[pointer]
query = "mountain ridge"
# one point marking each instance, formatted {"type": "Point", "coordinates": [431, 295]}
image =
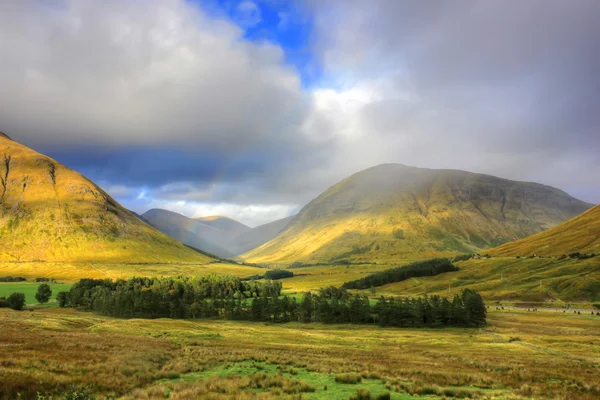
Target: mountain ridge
{"type": "Point", "coordinates": [49, 212]}
{"type": "Point", "coordinates": [392, 210]}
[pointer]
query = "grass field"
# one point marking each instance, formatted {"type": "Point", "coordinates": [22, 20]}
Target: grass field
{"type": "Point", "coordinates": [72, 272]}
{"type": "Point", "coordinates": [541, 280]}
{"type": "Point", "coordinates": [547, 355]}
{"type": "Point", "coordinates": [30, 288]}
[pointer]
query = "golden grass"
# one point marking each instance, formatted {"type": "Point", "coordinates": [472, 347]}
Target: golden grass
{"type": "Point", "coordinates": [72, 272]}
{"type": "Point", "coordinates": [519, 355]}
{"type": "Point", "coordinates": [580, 234]}
{"type": "Point", "coordinates": [510, 278]}
{"type": "Point", "coordinates": [49, 212]}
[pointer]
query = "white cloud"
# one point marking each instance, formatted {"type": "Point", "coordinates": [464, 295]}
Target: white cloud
{"type": "Point", "coordinates": [251, 215]}
{"type": "Point", "coordinates": [141, 72]}
{"type": "Point", "coordinates": [248, 14]}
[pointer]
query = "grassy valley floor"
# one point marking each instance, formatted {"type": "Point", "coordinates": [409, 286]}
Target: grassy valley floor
{"type": "Point", "coordinates": [518, 355]}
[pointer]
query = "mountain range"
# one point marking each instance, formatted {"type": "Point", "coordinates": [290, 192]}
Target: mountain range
{"type": "Point", "coordinates": [222, 236]}
{"type": "Point", "coordinates": [393, 211]}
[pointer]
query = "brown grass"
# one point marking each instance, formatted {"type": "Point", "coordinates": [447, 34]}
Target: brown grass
{"type": "Point", "coordinates": [558, 355]}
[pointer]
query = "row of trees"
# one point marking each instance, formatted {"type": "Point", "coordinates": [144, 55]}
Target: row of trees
{"type": "Point", "coordinates": [431, 267]}
{"type": "Point", "coordinates": [230, 298]}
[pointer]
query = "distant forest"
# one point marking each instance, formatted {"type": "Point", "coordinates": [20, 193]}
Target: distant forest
{"type": "Point", "coordinates": [227, 297]}
{"type": "Point", "coordinates": [431, 267]}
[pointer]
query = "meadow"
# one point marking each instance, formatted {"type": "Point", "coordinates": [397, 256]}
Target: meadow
{"type": "Point", "coordinates": [30, 288]}
{"type": "Point", "coordinates": [520, 354]}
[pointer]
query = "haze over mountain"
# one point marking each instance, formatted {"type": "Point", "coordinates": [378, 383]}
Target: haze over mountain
{"type": "Point", "coordinates": [222, 236]}
{"type": "Point", "coordinates": [580, 234]}
{"type": "Point", "coordinates": [257, 236]}
{"type": "Point", "coordinates": [49, 212]}
{"type": "Point", "coordinates": [393, 211]}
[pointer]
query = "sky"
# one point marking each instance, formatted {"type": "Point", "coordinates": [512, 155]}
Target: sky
{"type": "Point", "coordinates": [251, 108]}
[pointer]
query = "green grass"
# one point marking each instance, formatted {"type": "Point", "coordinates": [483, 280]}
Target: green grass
{"type": "Point", "coordinates": [324, 384]}
{"type": "Point", "coordinates": [30, 288]}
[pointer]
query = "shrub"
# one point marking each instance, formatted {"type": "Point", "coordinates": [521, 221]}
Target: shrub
{"type": "Point", "coordinates": [462, 257]}
{"type": "Point", "coordinates": [275, 274]}
{"type": "Point", "coordinates": [43, 293]}
{"type": "Point", "coordinates": [431, 267]}
{"type": "Point", "coordinates": [361, 394]}
{"type": "Point", "coordinates": [383, 396]}
{"type": "Point", "coordinates": [348, 378]}
{"type": "Point", "coordinates": [13, 279]}
{"type": "Point", "coordinates": [16, 301]}
{"type": "Point", "coordinates": [63, 299]}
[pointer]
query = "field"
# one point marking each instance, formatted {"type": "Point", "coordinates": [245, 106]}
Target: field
{"type": "Point", "coordinates": [519, 355]}
{"type": "Point", "coordinates": [72, 272]}
{"type": "Point", "coordinates": [532, 280]}
{"type": "Point", "coordinates": [30, 288]}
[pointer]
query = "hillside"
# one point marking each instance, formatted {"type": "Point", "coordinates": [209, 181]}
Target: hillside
{"type": "Point", "coordinates": [192, 232]}
{"type": "Point", "coordinates": [222, 236]}
{"type": "Point", "coordinates": [257, 236]}
{"type": "Point", "coordinates": [580, 234]}
{"type": "Point", "coordinates": [49, 212]}
{"type": "Point", "coordinates": [393, 211]}
{"type": "Point", "coordinates": [225, 224]}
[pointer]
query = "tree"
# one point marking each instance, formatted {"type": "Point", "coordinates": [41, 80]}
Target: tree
{"type": "Point", "coordinates": [63, 299]}
{"type": "Point", "coordinates": [16, 301]}
{"type": "Point", "coordinates": [43, 293]}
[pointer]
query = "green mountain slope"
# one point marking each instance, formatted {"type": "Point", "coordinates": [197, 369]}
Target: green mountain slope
{"type": "Point", "coordinates": [578, 235]}
{"type": "Point", "coordinates": [393, 212]}
{"type": "Point", "coordinates": [49, 212]}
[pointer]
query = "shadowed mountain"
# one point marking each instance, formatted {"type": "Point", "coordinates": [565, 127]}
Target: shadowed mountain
{"type": "Point", "coordinates": [192, 232]}
{"type": "Point", "coordinates": [218, 235]}
{"type": "Point", "coordinates": [578, 235]}
{"type": "Point", "coordinates": [393, 211]}
{"type": "Point", "coordinates": [255, 237]}
{"type": "Point", "coordinates": [49, 212]}
{"type": "Point", "coordinates": [225, 224]}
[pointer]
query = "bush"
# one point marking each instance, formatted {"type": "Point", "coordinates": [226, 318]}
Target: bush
{"type": "Point", "coordinates": [43, 293]}
{"type": "Point", "coordinates": [275, 274]}
{"type": "Point", "coordinates": [16, 301]}
{"type": "Point", "coordinates": [13, 279]}
{"type": "Point", "coordinates": [431, 267]}
{"type": "Point", "coordinates": [462, 257]}
{"type": "Point", "coordinates": [361, 394]}
{"type": "Point", "coordinates": [383, 396]}
{"type": "Point", "coordinates": [63, 299]}
{"type": "Point", "coordinates": [348, 378]}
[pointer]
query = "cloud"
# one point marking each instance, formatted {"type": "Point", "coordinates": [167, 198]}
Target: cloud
{"type": "Point", "coordinates": [251, 215]}
{"type": "Point", "coordinates": [162, 98]}
{"type": "Point", "coordinates": [247, 14]}
{"type": "Point", "coordinates": [505, 89]}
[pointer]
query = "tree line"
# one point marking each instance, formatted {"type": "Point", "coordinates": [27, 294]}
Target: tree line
{"type": "Point", "coordinates": [227, 297]}
{"type": "Point", "coordinates": [431, 267]}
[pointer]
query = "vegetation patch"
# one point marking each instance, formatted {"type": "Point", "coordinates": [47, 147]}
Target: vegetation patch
{"type": "Point", "coordinates": [431, 267]}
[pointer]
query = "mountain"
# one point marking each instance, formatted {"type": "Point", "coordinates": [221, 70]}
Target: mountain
{"type": "Point", "coordinates": [392, 212]}
{"type": "Point", "coordinates": [578, 235]}
{"type": "Point", "coordinates": [222, 236]}
{"type": "Point", "coordinates": [257, 236]}
{"type": "Point", "coordinates": [192, 232]}
{"type": "Point", "coordinates": [225, 224]}
{"type": "Point", "coordinates": [49, 212]}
